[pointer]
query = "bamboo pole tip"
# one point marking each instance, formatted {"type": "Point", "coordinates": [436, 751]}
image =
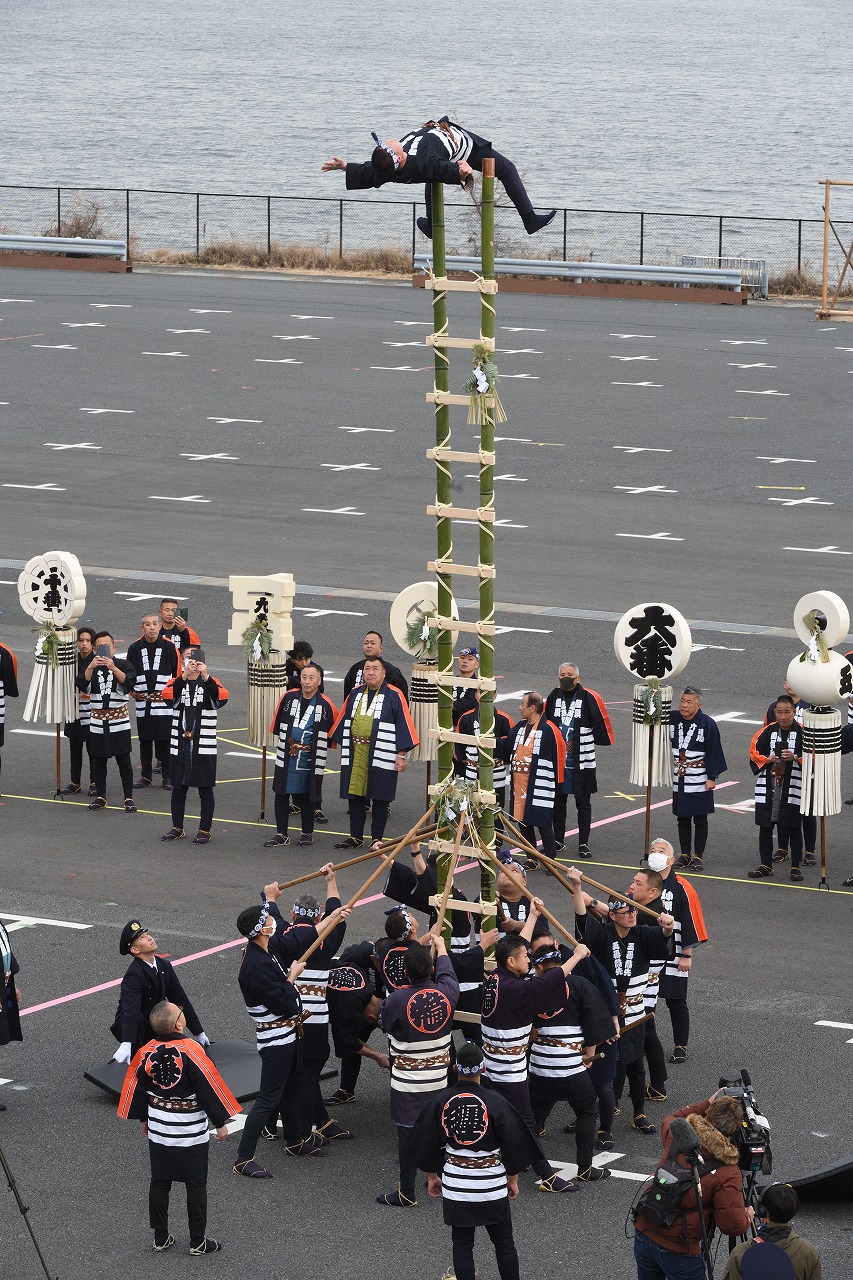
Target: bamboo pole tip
{"type": "Point", "coordinates": [489, 167]}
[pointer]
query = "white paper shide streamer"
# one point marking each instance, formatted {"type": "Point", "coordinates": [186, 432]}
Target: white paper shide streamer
{"type": "Point", "coordinates": [52, 591]}
{"type": "Point", "coordinates": [652, 641]}
{"type": "Point", "coordinates": [823, 677]}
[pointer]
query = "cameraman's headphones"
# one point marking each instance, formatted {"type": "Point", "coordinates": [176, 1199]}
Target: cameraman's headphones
{"type": "Point", "coordinates": [761, 1209]}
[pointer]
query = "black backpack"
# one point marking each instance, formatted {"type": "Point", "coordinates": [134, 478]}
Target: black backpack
{"type": "Point", "coordinates": [661, 1197]}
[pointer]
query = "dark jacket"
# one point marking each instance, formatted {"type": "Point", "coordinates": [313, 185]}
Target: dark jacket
{"type": "Point", "coordinates": [141, 988]}
{"type": "Point", "coordinates": [804, 1257]}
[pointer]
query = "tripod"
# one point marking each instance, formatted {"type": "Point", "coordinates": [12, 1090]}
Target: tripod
{"type": "Point", "coordinates": [25, 1209]}
{"type": "Point", "coordinates": [694, 1160]}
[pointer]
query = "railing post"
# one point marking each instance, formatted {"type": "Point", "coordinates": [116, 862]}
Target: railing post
{"type": "Point", "coordinates": [720, 239]}
{"type": "Point", "coordinates": [127, 218]}
{"type": "Point", "coordinates": [341, 230]}
{"type": "Point", "coordinates": [59, 211]}
{"type": "Point", "coordinates": [642, 236]}
{"type": "Point", "coordinates": [269, 227]}
{"type": "Point", "coordinates": [799, 245]}
{"type": "Point", "coordinates": [414, 233]}
{"type": "Point", "coordinates": [565, 234]}
{"type": "Point", "coordinates": [197, 225]}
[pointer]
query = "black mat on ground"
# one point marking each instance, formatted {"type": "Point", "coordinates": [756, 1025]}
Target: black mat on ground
{"type": "Point", "coordinates": [236, 1060]}
{"type": "Point", "coordinates": [835, 1182]}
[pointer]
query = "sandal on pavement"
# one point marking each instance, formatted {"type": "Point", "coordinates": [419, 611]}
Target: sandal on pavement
{"type": "Point", "coordinates": [251, 1169]}
{"type": "Point", "coordinates": [643, 1125]}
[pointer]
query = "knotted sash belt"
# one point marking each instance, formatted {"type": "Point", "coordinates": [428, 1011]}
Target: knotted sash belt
{"type": "Point", "coordinates": [417, 1064]}
{"type": "Point", "coordinates": [505, 1050]}
{"type": "Point", "coordinates": [172, 1104]}
{"type": "Point", "coordinates": [109, 713]}
{"type": "Point", "coordinates": [146, 697]}
{"type": "Point", "coordinates": [472, 1162]}
{"type": "Point", "coordinates": [285, 1022]}
{"type": "Point", "coordinates": [553, 1042]}
{"type": "Point", "coordinates": [296, 747]}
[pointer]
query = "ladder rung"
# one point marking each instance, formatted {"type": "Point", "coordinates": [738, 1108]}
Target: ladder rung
{"type": "Point", "coordinates": [465, 570]}
{"type": "Point", "coordinates": [478, 628]}
{"type": "Point", "coordinates": [461, 1015]}
{"type": "Point", "coordinates": [449, 680]}
{"type": "Point", "coordinates": [446, 511]}
{"type": "Point", "coordinates": [457, 904]}
{"type": "Point", "coordinates": [482, 797]}
{"type": "Point", "coordinates": [440, 454]}
{"type": "Point", "coordinates": [468, 739]}
{"type": "Point", "coordinates": [465, 344]}
{"type": "Point", "coordinates": [440, 284]}
{"type": "Point", "coordinates": [450, 397]}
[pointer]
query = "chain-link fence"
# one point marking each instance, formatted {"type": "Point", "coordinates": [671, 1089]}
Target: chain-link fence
{"type": "Point", "coordinates": [373, 231]}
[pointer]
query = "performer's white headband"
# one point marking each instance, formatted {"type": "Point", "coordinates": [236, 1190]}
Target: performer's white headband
{"type": "Point", "coordinates": [383, 146]}
{"type": "Point", "coordinates": [470, 1071]}
{"type": "Point", "coordinates": [262, 918]}
{"type": "Point", "coordinates": [539, 957]}
{"type": "Point", "coordinates": [310, 912]}
{"type": "Point", "coordinates": [404, 913]}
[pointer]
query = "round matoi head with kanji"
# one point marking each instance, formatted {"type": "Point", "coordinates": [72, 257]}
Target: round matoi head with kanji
{"type": "Point", "coordinates": [820, 682]}
{"type": "Point", "coordinates": [652, 641]}
{"type": "Point", "coordinates": [52, 589]}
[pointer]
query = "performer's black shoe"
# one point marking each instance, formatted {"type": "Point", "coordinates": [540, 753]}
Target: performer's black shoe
{"type": "Point", "coordinates": [398, 1200]}
{"type": "Point", "coordinates": [320, 819]}
{"type": "Point", "coordinates": [797, 875]}
{"type": "Point", "coordinates": [850, 801]}
{"type": "Point", "coordinates": [340, 1098]}
{"type": "Point", "coordinates": [158, 766]}
{"type": "Point", "coordinates": [760, 872]}
{"type": "Point", "coordinates": [696, 863]}
{"type": "Point", "coordinates": [643, 1125]}
{"type": "Point", "coordinates": [162, 1245]}
{"type": "Point", "coordinates": [584, 851]}
{"type": "Point", "coordinates": [202, 837]}
{"type": "Point", "coordinates": [531, 864]}
{"type": "Point", "coordinates": [93, 790]}
{"type": "Point", "coordinates": [809, 860]}
{"type": "Point", "coordinates": [142, 782]}
{"type": "Point", "coordinates": [99, 802]}
{"type": "Point", "coordinates": [72, 789]}
{"type": "Point", "coordinates": [129, 805]}
{"type": "Point", "coordinates": [781, 855]}
{"type": "Point", "coordinates": [425, 228]}
{"type": "Point", "coordinates": [311, 1146]}
{"type": "Point", "coordinates": [679, 1054]}
{"type": "Point", "coordinates": [683, 861]}
{"type": "Point", "coordinates": [293, 810]}
{"type": "Point", "coordinates": [593, 1174]}
{"type": "Point", "coordinates": [306, 839]}
{"type": "Point", "coordinates": [251, 1169]}
{"type": "Point", "coordinates": [847, 884]}
{"type": "Point", "coordinates": [535, 221]}
{"type": "Point", "coordinates": [604, 1140]}
{"type": "Point", "coordinates": [172, 834]}
{"type": "Point", "coordinates": [205, 1246]}
{"type": "Point", "coordinates": [559, 845]}
{"type": "Point", "coordinates": [655, 1095]}
{"type": "Point", "coordinates": [167, 786]}
{"type": "Point", "coordinates": [334, 1132]}
{"type": "Point", "coordinates": [271, 1135]}
{"type": "Point", "coordinates": [276, 841]}
{"type": "Point", "coordinates": [568, 1128]}
{"type": "Point", "coordinates": [349, 843]}
{"type": "Point", "coordinates": [558, 1185]}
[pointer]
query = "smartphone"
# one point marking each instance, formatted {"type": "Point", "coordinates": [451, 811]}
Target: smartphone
{"type": "Point", "coordinates": [103, 650]}
{"type": "Point", "coordinates": [197, 655]}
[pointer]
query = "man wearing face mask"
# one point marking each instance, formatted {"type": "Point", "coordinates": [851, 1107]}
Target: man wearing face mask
{"type": "Point", "coordinates": [680, 900]}
{"type": "Point", "coordinates": [582, 719]}
{"type": "Point", "coordinates": [195, 697]}
{"type": "Point", "coordinates": [697, 762]}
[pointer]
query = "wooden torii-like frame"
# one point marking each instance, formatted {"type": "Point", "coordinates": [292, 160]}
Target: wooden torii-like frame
{"type": "Point", "coordinates": [829, 309]}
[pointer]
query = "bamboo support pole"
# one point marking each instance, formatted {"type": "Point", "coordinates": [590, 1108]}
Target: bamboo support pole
{"type": "Point", "coordinates": [425, 834]}
{"type": "Point", "coordinates": [519, 883]}
{"type": "Point", "coordinates": [374, 875]}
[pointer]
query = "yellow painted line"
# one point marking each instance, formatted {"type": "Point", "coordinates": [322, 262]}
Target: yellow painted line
{"type": "Point", "coordinates": [160, 813]}
{"type": "Point", "coordinates": [620, 795]}
{"type": "Point", "coordinates": [703, 875]}
{"type": "Point", "coordinates": [547, 444]}
{"type": "Point", "coordinates": [799, 487]}
{"type": "Point", "coordinates": [246, 746]}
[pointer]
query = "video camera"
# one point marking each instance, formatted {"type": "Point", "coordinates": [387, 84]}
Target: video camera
{"type": "Point", "coordinates": [753, 1138]}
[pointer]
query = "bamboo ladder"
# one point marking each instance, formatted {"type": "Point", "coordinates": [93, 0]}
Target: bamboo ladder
{"type": "Point", "coordinates": [444, 567]}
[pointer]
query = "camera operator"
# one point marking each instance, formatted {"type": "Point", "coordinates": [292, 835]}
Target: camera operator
{"type": "Point", "coordinates": [777, 1206]}
{"type": "Point", "coordinates": [667, 1253]}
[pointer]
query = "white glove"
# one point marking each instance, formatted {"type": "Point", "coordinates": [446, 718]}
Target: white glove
{"type": "Point", "coordinates": [122, 1053]}
{"type": "Point", "coordinates": [202, 1039]}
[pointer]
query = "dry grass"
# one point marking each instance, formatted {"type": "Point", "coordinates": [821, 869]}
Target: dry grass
{"type": "Point", "coordinates": [84, 220]}
{"type": "Point", "coordinates": [294, 256]}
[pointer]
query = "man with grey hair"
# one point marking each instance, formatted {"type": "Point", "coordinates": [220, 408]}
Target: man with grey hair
{"type": "Point", "coordinates": [175, 1090]}
{"type": "Point", "coordinates": [697, 762]}
{"type": "Point", "coordinates": [582, 719]}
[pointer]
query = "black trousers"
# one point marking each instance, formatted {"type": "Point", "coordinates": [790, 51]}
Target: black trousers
{"type": "Point", "coordinates": [680, 1015]}
{"type": "Point", "coordinates": [636, 1074]}
{"type": "Point", "coordinates": [809, 833]}
{"type": "Point", "coordinates": [505, 172]}
{"type": "Point", "coordinates": [282, 812]}
{"type": "Point", "coordinates": [506, 1254]}
{"type": "Point", "coordinates": [686, 829]}
{"type": "Point", "coordinates": [178, 1164]}
{"type": "Point", "coordinates": [601, 1074]}
{"type": "Point", "coordinates": [179, 804]}
{"type": "Point", "coordinates": [75, 751]}
{"type": "Point", "coordinates": [578, 1091]}
{"type": "Point", "coordinates": [358, 817]}
{"type": "Point", "coordinates": [655, 1056]}
{"type": "Point", "coordinates": [549, 847]}
{"type": "Point", "coordinates": [583, 804]}
{"type": "Point", "coordinates": [790, 838]}
{"type": "Point", "coordinates": [280, 1094]}
{"type": "Point", "coordinates": [313, 1113]}
{"type": "Point", "coordinates": [148, 748]}
{"type": "Point", "coordinates": [125, 769]}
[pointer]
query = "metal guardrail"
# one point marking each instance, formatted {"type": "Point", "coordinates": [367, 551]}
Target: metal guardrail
{"type": "Point", "coordinates": [722, 278]}
{"type": "Point", "coordinates": [74, 246]}
{"type": "Point", "coordinates": [754, 271]}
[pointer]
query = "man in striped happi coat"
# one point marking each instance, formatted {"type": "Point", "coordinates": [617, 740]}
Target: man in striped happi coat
{"type": "Point", "coordinates": [77, 730]}
{"type": "Point", "coordinates": [8, 684]}
{"type": "Point", "coordinates": [418, 1020]}
{"type": "Point", "coordinates": [776, 758]}
{"type": "Point", "coordinates": [680, 900]}
{"type": "Point", "coordinates": [536, 754]}
{"type": "Point", "coordinates": [195, 697]}
{"type": "Point", "coordinates": [156, 661]}
{"type": "Point", "coordinates": [466, 758]}
{"type": "Point", "coordinates": [174, 1089]}
{"type": "Point", "coordinates": [108, 681]}
{"type": "Point", "coordinates": [626, 950]}
{"type": "Point", "coordinates": [808, 821]}
{"type": "Point", "coordinates": [301, 727]}
{"type": "Point", "coordinates": [568, 1029]}
{"type": "Point", "coordinates": [511, 1001]}
{"type": "Point", "coordinates": [374, 731]}
{"type": "Point", "coordinates": [288, 943]}
{"type": "Point", "coordinates": [473, 1144]}
{"type": "Point", "coordinates": [697, 762]}
{"type": "Point", "coordinates": [581, 717]}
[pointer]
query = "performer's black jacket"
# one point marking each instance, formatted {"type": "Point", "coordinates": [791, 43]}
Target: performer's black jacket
{"type": "Point", "coordinates": [429, 164]}
{"type": "Point", "coordinates": [392, 674]}
{"type": "Point", "coordinates": [141, 988]}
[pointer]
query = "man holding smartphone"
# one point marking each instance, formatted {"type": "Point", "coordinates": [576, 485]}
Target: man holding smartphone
{"type": "Point", "coordinates": [195, 697]}
{"type": "Point", "coordinates": [108, 681]}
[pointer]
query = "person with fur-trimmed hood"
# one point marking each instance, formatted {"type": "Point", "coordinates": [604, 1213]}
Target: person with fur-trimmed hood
{"type": "Point", "coordinates": [716, 1123]}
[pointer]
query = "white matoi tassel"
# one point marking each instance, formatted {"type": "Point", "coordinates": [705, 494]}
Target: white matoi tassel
{"type": "Point", "coordinates": [423, 704]}
{"type": "Point", "coordinates": [53, 691]}
{"type": "Point", "coordinates": [267, 685]}
{"type": "Point", "coordinates": [651, 703]}
{"type": "Point", "coordinates": [821, 793]}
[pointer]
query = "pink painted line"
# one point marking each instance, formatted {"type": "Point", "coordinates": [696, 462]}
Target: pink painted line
{"type": "Point", "coordinates": [632, 813]}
